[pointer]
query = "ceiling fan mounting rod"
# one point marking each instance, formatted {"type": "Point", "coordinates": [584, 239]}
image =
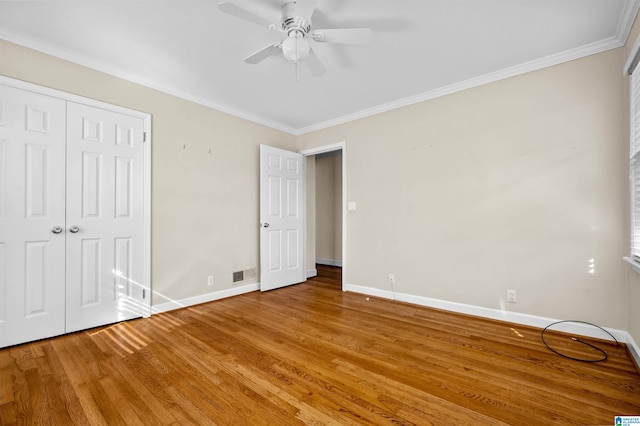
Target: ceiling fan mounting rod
{"type": "Point", "coordinates": [292, 23]}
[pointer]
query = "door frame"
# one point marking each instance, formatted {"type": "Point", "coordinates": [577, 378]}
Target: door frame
{"type": "Point", "coordinates": [146, 117]}
{"type": "Point", "coordinates": [339, 146]}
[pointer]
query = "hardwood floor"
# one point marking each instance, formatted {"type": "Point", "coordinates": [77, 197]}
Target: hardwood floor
{"type": "Point", "coordinates": [312, 354]}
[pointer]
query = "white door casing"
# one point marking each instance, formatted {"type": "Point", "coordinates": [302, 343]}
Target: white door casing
{"type": "Point", "coordinates": [32, 187]}
{"type": "Point", "coordinates": [281, 218]}
{"type": "Point", "coordinates": [105, 256]}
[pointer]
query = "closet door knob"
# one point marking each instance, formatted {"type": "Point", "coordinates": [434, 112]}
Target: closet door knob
{"type": "Point", "coordinates": [74, 229]}
{"type": "Point", "coordinates": [56, 229]}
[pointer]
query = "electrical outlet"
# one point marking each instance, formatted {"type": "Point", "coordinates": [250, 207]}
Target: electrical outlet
{"type": "Point", "coordinates": [392, 279]}
{"type": "Point", "coordinates": [210, 280]}
{"type": "Point", "coordinates": [511, 296]}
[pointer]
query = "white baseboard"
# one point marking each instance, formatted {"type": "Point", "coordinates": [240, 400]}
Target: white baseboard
{"type": "Point", "coordinates": [633, 349]}
{"type": "Point", "coordinates": [497, 314]}
{"type": "Point", "coordinates": [329, 262]}
{"type": "Point", "coordinates": [479, 311]}
{"type": "Point", "coordinates": [312, 273]}
{"type": "Point", "coordinates": [204, 298]}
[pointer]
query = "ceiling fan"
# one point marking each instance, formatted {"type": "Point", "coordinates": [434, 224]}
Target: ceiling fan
{"type": "Point", "coordinates": [296, 24]}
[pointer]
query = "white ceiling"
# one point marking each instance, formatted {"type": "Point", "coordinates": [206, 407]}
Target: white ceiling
{"type": "Point", "coordinates": [421, 49]}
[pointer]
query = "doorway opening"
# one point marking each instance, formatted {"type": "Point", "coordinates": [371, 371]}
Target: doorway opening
{"type": "Point", "coordinates": [325, 228]}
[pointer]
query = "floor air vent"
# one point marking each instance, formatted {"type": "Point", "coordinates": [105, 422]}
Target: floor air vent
{"type": "Point", "coordinates": [245, 275]}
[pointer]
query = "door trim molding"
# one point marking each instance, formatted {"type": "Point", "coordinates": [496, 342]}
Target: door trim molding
{"type": "Point", "coordinates": [146, 117]}
{"type": "Point", "coordinates": [339, 146]}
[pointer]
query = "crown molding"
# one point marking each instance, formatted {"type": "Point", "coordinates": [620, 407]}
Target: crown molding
{"type": "Point", "coordinates": [113, 71]}
{"type": "Point", "coordinates": [538, 64]}
{"type": "Point", "coordinates": [627, 18]}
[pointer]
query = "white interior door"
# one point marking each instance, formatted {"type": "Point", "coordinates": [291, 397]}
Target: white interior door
{"type": "Point", "coordinates": [281, 218]}
{"type": "Point", "coordinates": [105, 222]}
{"type": "Point", "coordinates": [32, 237]}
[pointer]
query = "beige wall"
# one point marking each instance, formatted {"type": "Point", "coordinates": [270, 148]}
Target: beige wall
{"type": "Point", "coordinates": [204, 207]}
{"type": "Point", "coordinates": [517, 184]}
{"type": "Point", "coordinates": [633, 277]}
{"type": "Point", "coordinates": [329, 206]}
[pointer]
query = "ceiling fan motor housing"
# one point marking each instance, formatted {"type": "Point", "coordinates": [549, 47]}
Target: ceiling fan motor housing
{"type": "Point", "coordinates": [295, 47]}
{"type": "Point", "coordinates": [292, 23]}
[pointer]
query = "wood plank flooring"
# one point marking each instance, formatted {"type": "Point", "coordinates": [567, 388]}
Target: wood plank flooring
{"type": "Point", "coordinates": [312, 354]}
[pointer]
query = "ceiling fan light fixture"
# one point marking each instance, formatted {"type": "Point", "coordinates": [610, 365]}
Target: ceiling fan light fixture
{"type": "Point", "coordinates": [295, 48]}
{"type": "Point", "coordinates": [295, 22]}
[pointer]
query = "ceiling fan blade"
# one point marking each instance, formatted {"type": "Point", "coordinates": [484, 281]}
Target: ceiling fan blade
{"type": "Point", "coordinates": [343, 36]}
{"type": "Point", "coordinates": [305, 8]}
{"type": "Point", "coordinates": [239, 12]}
{"type": "Point", "coordinates": [315, 66]}
{"type": "Point", "coordinates": [262, 54]}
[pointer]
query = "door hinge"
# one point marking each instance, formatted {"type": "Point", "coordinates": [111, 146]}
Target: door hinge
{"type": "Point", "coordinates": [144, 136]}
{"type": "Point", "coordinates": [144, 293]}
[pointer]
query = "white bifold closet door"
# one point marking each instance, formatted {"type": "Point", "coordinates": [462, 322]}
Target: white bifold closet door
{"type": "Point", "coordinates": [71, 216]}
{"type": "Point", "coordinates": [104, 219]}
{"type": "Point", "coordinates": [32, 216]}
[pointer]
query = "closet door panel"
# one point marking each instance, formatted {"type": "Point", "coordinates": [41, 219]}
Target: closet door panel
{"type": "Point", "coordinates": [32, 216]}
{"type": "Point", "coordinates": [105, 256]}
